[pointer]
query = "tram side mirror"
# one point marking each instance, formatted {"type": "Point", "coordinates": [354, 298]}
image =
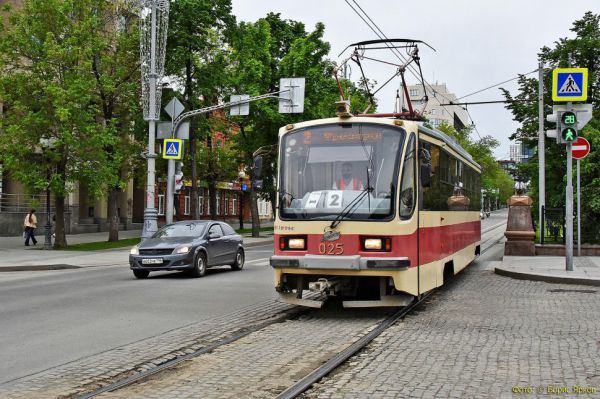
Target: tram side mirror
{"type": "Point", "coordinates": [425, 175]}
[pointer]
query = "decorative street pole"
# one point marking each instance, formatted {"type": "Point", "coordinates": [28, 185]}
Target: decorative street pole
{"type": "Point", "coordinates": [242, 176]}
{"type": "Point", "coordinates": [48, 227]}
{"type": "Point", "coordinates": [154, 20]}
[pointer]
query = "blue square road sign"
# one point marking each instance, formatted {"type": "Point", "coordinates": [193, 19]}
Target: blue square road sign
{"type": "Point", "coordinates": [172, 149]}
{"type": "Point", "coordinates": [569, 84]}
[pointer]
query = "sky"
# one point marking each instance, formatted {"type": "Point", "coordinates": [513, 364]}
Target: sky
{"type": "Point", "coordinates": [478, 43]}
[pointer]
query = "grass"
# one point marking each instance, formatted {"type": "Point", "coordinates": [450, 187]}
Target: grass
{"type": "Point", "coordinates": [97, 246]}
{"type": "Point", "coordinates": [129, 242]}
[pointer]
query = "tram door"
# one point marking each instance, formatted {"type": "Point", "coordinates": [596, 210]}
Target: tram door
{"type": "Point", "coordinates": [408, 198]}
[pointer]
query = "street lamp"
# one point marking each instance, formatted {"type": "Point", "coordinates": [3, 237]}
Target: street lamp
{"type": "Point", "coordinates": [242, 177]}
{"type": "Point", "coordinates": [47, 145]}
{"type": "Point", "coordinates": [154, 21]}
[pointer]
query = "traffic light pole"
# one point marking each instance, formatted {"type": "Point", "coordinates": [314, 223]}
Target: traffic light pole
{"type": "Point", "coordinates": [569, 201]}
{"type": "Point", "coordinates": [569, 210]}
{"type": "Point", "coordinates": [578, 208]}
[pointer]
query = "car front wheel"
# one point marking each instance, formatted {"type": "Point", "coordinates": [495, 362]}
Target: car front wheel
{"type": "Point", "coordinates": [141, 273]}
{"type": "Point", "coordinates": [239, 260]}
{"type": "Point", "coordinates": [199, 269]}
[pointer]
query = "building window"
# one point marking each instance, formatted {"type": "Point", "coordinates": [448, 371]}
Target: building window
{"type": "Point", "coordinates": [226, 205]}
{"type": "Point", "coordinates": [186, 205]}
{"type": "Point", "coordinates": [234, 205]}
{"type": "Point", "coordinates": [414, 92]}
{"type": "Point", "coordinates": [161, 204]}
{"type": "Point", "coordinates": [433, 111]}
{"type": "Point", "coordinates": [218, 203]}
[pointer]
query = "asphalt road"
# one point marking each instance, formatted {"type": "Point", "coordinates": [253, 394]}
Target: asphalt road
{"type": "Point", "coordinates": [53, 317]}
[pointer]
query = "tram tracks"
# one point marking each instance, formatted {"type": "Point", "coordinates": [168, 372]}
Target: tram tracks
{"type": "Point", "coordinates": [492, 234]}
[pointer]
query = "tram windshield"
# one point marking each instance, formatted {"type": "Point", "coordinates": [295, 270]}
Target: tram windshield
{"type": "Point", "coordinates": [329, 169]}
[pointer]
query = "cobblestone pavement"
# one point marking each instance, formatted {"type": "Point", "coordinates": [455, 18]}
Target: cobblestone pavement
{"type": "Point", "coordinates": [482, 336]}
{"type": "Point", "coordinates": [95, 371]}
{"type": "Point", "coordinates": [264, 363]}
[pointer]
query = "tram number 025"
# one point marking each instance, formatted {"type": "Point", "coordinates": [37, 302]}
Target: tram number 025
{"type": "Point", "coordinates": [329, 248]}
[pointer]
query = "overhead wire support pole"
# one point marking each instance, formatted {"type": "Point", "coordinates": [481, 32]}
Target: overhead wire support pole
{"type": "Point", "coordinates": [541, 150]}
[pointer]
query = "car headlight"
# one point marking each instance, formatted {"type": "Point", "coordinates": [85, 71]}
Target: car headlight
{"type": "Point", "coordinates": [183, 249]}
{"type": "Point", "coordinates": [135, 250]}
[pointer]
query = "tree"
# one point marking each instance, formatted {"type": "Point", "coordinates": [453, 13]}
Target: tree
{"type": "Point", "coordinates": [196, 61]}
{"type": "Point", "coordinates": [116, 73]}
{"type": "Point", "coordinates": [47, 52]}
{"type": "Point", "coordinates": [585, 51]}
{"type": "Point", "coordinates": [261, 54]}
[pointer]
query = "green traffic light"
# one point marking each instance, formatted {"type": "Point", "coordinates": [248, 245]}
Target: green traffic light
{"type": "Point", "coordinates": [569, 135]}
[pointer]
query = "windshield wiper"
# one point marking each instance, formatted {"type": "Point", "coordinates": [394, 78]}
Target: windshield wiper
{"type": "Point", "coordinates": [351, 207]}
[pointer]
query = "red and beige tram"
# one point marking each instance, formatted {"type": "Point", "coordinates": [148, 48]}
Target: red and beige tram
{"type": "Point", "coordinates": [375, 211]}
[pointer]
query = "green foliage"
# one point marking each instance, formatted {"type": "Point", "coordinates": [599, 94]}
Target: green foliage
{"type": "Point", "coordinates": [261, 54]}
{"type": "Point", "coordinates": [69, 85]}
{"type": "Point", "coordinates": [492, 174]}
{"type": "Point", "coordinates": [585, 51]}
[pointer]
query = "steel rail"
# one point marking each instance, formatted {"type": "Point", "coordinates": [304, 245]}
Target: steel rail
{"type": "Point", "coordinates": [208, 348]}
{"type": "Point", "coordinates": [337, 360]}
{"type": "Point", "coordinates": [301, 385]}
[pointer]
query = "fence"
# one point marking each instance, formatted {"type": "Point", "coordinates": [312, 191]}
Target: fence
{"type": "Point", "coordinates": [553, 227]}
{"type": "Point", "coordinates": [20, 203]}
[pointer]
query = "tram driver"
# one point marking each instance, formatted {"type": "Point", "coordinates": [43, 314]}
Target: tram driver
{"type": "Point", "coordinates": [348, 181]}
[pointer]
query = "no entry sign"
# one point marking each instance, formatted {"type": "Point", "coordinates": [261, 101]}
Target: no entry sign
{"type": "Point", "coordinates": [580, 148]}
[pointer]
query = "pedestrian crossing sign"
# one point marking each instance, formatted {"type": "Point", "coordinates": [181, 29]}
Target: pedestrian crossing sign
{"type": "Point", "coordinates": [172, 149]}
{"type": "Point", "coordinates": [569, 84]}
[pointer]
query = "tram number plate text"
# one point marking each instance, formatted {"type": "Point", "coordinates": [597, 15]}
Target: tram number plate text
{"type": "Point", "coordinates": [329, 248]}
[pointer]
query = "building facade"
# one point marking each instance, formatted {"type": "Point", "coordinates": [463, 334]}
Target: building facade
{"type": "Point", "coordinates": [437, 114]}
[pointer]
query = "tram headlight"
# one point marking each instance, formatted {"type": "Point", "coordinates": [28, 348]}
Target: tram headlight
{"type": "Point", "coordinates": [293, 243]}
{"type": "Point", "coordinates": [383, 244]}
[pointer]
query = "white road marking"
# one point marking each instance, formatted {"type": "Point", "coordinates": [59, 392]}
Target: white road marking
{"type": "Point", "coordinates": [256, 260]}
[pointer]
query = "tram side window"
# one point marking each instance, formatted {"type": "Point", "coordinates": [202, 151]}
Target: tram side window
{"type": "Point", "coordinates": [407, 189]}
{"type": "Point", "coordinates": [430, 193]}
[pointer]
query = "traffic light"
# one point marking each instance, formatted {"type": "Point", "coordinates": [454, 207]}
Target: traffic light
{"type": "Point", "coordinates": [568, 122]}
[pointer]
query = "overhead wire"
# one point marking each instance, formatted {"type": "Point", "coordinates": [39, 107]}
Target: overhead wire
{"type": "Point", "coordinates": [395, 51]}
{"type": "Point", "coordinates": [497, 84]}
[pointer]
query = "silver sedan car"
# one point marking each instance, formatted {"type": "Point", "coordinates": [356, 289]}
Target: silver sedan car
{"type": "Point", "coordinates": [192, 245]}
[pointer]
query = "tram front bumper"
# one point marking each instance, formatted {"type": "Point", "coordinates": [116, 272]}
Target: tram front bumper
{"type": "Point", "coordinates": [353, 262]}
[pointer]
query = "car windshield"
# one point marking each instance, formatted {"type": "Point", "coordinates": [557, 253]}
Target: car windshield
{"type": "Point", "coordinates": [325, 168]}
{"type": "Point", "coordinates": [191, 229]}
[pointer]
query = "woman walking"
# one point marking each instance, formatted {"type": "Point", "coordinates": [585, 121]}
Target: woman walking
{"type": "Point", "coordinates": [30, 226]}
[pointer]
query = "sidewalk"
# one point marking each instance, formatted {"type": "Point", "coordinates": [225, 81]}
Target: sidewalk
{"type": "Point", "coordinates": [14, 256]}
{"type": "Point", "coordinates": [551, 269]}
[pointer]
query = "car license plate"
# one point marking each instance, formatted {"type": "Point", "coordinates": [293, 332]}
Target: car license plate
{"type": "Point", "coordinates": [152, 261]}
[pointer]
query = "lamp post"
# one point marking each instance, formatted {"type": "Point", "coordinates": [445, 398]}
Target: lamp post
{"type": "Point", "coordinates": [241, 176]}
{"type": "Point", "coordinates": [46, 145]}
{"type": "Point", "coordinates": [48, 227]}
{"type": "Point", "coordinates": [154, 19]}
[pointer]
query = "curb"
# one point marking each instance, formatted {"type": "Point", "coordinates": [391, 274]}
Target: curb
{"type": "Point", "coordinates": [546, 278]}
{"type": "Point", "coordinates": [30, 268]}
{"type": "Point", "coordinates": [61, 266]}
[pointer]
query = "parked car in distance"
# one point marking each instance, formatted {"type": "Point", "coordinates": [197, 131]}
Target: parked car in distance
{"type": "Point", "coordinates": [191, 245]}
